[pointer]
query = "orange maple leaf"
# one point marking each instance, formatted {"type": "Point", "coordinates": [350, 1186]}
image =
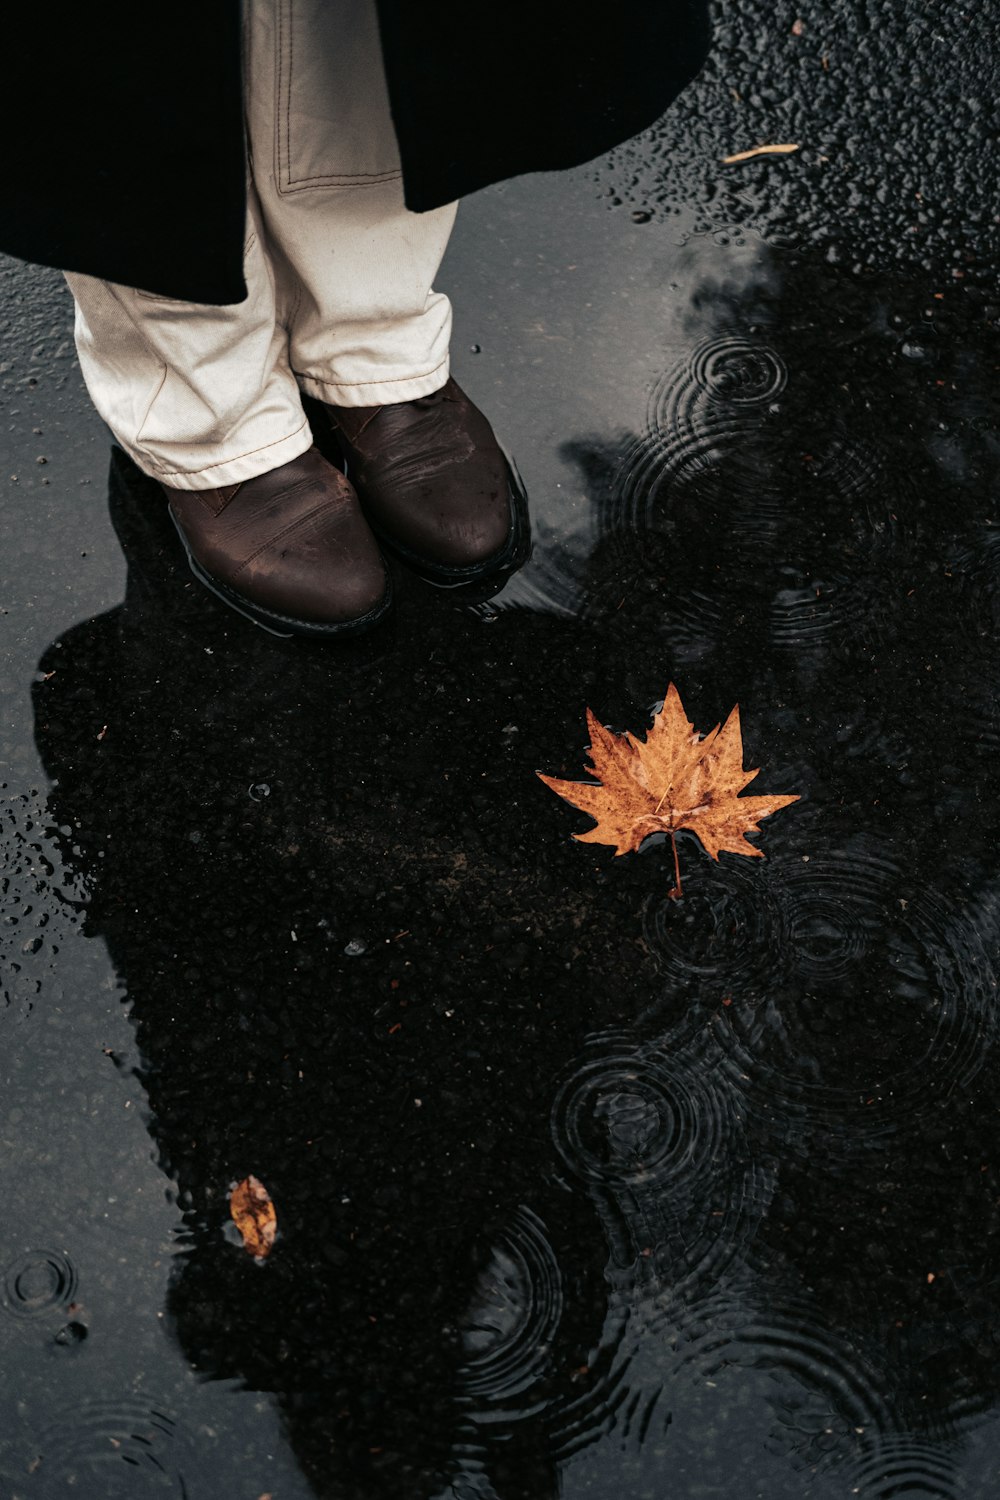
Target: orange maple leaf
{"type": "Point", "coordinates": [674, 779]}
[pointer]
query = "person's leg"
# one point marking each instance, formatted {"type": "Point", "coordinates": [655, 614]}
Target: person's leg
{"type": "Point", "coordinates": [365, 324]}
{"type": "Point", "coordinates": [368, 334]}
{"type": "Point", "coordinates": [340, 274]}
{"type": "Point", "coordinates": [206, 399]}
{"type": "Point", "coordinates": [198, 396]}
{"type": "Point", "coordinates": [203, 400]}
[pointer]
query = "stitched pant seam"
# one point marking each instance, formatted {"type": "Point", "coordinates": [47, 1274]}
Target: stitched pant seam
{"type": "Point", "coordinates": [375, 380]}
{"type": "Point", "coordinates": [234, 457]}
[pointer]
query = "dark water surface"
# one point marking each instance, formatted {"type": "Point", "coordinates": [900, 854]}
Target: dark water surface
{"type": "Point", "coordinates": [580, 1191]}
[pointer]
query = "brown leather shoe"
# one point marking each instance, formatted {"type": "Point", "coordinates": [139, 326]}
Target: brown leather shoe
{"type": "Point", "coordinates": [289, 549]}
{"type": "Point", "coordinates": [434, 484]}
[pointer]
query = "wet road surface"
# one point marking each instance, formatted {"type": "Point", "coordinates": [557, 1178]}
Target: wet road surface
{"type": "Point", "coordinates": [580, 1190]}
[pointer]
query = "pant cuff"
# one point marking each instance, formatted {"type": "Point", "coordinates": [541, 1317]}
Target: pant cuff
{"type": "Point", "coordinates": [228, 470]}
{"type": "Point", "coordinates": [375, 392]}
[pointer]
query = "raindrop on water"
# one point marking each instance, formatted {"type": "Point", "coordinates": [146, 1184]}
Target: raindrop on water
{"type": "Point", "coordinates": [356, 947]}
{"type": "Point", "coordinates": [38, 1281]}
{"type": "Point", "coordinates": [259, 791]}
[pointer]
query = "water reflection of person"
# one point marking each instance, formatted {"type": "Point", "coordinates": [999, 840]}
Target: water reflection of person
{"type": "Point", "coordinates": [248, 821]}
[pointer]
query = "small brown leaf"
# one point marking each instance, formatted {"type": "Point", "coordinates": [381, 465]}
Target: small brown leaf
{"type": "Point", "coordinates": [253, 1213]}
{"type": "Point", "coordinates": [760, 151]}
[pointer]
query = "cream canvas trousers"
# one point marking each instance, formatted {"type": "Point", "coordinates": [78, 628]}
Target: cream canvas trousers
{"type": "Point", "coordinates": [339, 273]}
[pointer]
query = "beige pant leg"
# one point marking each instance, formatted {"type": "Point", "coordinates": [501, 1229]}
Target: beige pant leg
{"type": "Point", "coordinates": [339, 273]}
{"type": "Point", "coordinates": [365, 325]}
{"type": "Point", "coordinates": [199, 396]}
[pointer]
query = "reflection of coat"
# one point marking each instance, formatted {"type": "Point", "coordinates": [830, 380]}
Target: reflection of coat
{"type": "Point", "coordinates": [124, 131]}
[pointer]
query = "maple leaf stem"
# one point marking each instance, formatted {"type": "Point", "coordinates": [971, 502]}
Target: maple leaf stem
{"type": "Point", "coordinates": [678, 889]}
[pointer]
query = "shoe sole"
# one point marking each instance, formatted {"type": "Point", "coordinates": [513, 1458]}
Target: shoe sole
{"type": "Point", "coordinates": [271, 620]}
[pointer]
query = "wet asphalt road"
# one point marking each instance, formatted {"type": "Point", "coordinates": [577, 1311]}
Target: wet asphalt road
{"type": "Point", "coordinates": [580, 1191]}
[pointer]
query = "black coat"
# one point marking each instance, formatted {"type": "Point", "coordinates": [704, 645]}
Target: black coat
{"type": "Point", "coordinates": [125, 155]}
